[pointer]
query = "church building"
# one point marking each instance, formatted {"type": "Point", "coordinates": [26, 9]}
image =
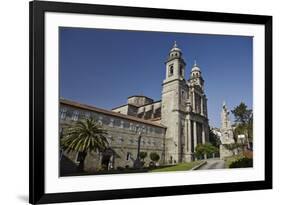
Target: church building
{"type": "Point", "coordinates": [173, 125]}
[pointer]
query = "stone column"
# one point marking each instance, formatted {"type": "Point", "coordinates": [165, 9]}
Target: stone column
{"type": "Point", "coordinates": [193, 99]}
{"type": "Point", "coordinates": [206, 109]}
{"type": "Point", "coordinates": [194, 135]}
{"type": "Point", "coordinates": [203, 134]}
{"type": "Point", "coordinates": [189, 136]}
{"type": "Point", "coordinates": [202, 105]}
{"type": "Point", "coordinates": [185, 136]}
{"type": "Point", "coordinates": [203, 138]}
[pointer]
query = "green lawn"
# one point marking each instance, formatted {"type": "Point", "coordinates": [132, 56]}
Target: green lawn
{"type": "Point", "coordinates": [178, 167]}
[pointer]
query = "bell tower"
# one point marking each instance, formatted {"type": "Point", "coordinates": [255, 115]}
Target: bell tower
{"type": "Point", "coordinates": [174, 97]}
{"type": "Point", "coordinates": [196, 77]}
{"type": "Point", "coordinates": [175, 65]}
{"type": "Point", "coordinates": [198, 97]}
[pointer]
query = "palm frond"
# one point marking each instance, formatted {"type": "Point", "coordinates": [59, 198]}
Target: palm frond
{"type": "Point", "coordinates": [84, 136]}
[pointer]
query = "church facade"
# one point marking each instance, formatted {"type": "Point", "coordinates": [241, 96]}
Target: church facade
{"type": "Point", "coordinates": [173, 125]}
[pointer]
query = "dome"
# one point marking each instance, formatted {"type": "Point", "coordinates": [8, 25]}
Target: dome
{"type": "Point", "coordinates": [195, 67]}
{"type": "Point", "coordinates": [175, 47]}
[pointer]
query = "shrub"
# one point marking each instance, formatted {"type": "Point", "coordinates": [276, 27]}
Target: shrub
{"type": "Point", "coordinates": [154, 156]}
{"type": "Point", "coordinates": [143, 155]}
{"type": "Point", "coordinates": [202, 149]}
{"type": "Point", "coordinates": [242, 163]}
{"type": "Point", "coordinates": [199, 151]}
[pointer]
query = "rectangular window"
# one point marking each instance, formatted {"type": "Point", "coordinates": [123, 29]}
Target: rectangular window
{"type": "Point", "coordinates": [87, 115]}
{"type": "Point", "coordinates": [111, 122]}
{"type": "Point", "coordinates": [122, 124]}
{"type": "Point", "coordinates": [63, 113]}
{"type": "Point", "coordinates": [75, 115]}
{"type": "Point", "coordinates": [131, 126]}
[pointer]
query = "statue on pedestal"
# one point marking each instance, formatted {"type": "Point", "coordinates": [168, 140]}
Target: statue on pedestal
{"type": "Point", "coordinates": [226, 130]}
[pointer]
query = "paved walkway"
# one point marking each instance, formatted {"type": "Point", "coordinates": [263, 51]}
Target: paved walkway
{"type": "Point", "coordinates": [213, 164]}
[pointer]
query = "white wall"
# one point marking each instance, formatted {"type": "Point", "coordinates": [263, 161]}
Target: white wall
{"type": "Point", "coordinates": [14, 99]}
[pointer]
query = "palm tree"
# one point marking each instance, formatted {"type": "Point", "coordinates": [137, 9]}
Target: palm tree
{"type": "Point", "coordinates": [83, 137]}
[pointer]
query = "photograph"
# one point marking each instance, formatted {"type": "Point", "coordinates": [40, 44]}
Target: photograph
{"type": "Point", "coordinates": [131, 102]}
{"type": "Point", "coordinates": [149, 101]}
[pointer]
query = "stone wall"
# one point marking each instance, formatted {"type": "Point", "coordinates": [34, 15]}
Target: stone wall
{"type": "Point", "coordinates": [122, 137]}
{"type": "Point", "coordinates": [139, 100]}
{"type": "Point", "coordinates": [146, 111]}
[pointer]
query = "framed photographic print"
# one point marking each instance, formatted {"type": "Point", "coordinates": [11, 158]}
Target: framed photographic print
{"type": "Point", "coordinates": [139, 102]}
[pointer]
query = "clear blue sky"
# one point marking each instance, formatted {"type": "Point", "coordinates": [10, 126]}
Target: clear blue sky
{"type": "Point", "coordinates": [104, 67]}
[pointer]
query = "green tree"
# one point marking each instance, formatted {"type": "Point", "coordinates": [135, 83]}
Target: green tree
{"type": "Point", "coordinates": [241, 113]}
{"type": "Point", "coordinates": [199, 151]}
{"type": "Point", "coordinates": [205, 149]}
{"type": "Point", "coordinates": [244, 121]}
{"type": "Point", "coordinates": [210, 149]}
{"type": "Point", "coordinates": [84, 137]}
{"type": "Point", "coordinates": [154, 156]}
{"type": "Point", "coordinates": [143, 155]}
{"type": "Point", "coordinates": [214, 139]}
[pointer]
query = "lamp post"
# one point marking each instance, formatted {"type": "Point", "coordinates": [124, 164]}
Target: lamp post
{"type": "Point", "coordinates": [137, 162]}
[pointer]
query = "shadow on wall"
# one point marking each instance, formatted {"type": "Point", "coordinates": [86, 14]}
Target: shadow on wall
{"type": "Point", "coordinates": [67, 167]}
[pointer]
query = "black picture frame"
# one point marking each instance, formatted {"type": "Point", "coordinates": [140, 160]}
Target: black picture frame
{"type": "Point", "coordinates": [37, 11]}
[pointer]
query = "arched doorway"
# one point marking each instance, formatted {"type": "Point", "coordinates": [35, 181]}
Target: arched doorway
{"type": "Point", "coordinates": [107, 161]}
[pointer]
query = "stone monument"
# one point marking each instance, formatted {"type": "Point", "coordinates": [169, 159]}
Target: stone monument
{"type": "Point", "coordinates": [226, 130]}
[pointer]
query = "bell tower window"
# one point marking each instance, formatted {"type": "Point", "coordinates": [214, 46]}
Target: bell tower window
{"type": "Point", "coordinates": [181, 71]}
{"type": "Point", "coordinates": [171, 70]}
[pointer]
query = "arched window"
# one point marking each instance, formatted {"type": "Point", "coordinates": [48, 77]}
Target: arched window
{"type": "Point", "coordinates": [181, 71]}
{"type": "Point", "coordinates": [171, 70]}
